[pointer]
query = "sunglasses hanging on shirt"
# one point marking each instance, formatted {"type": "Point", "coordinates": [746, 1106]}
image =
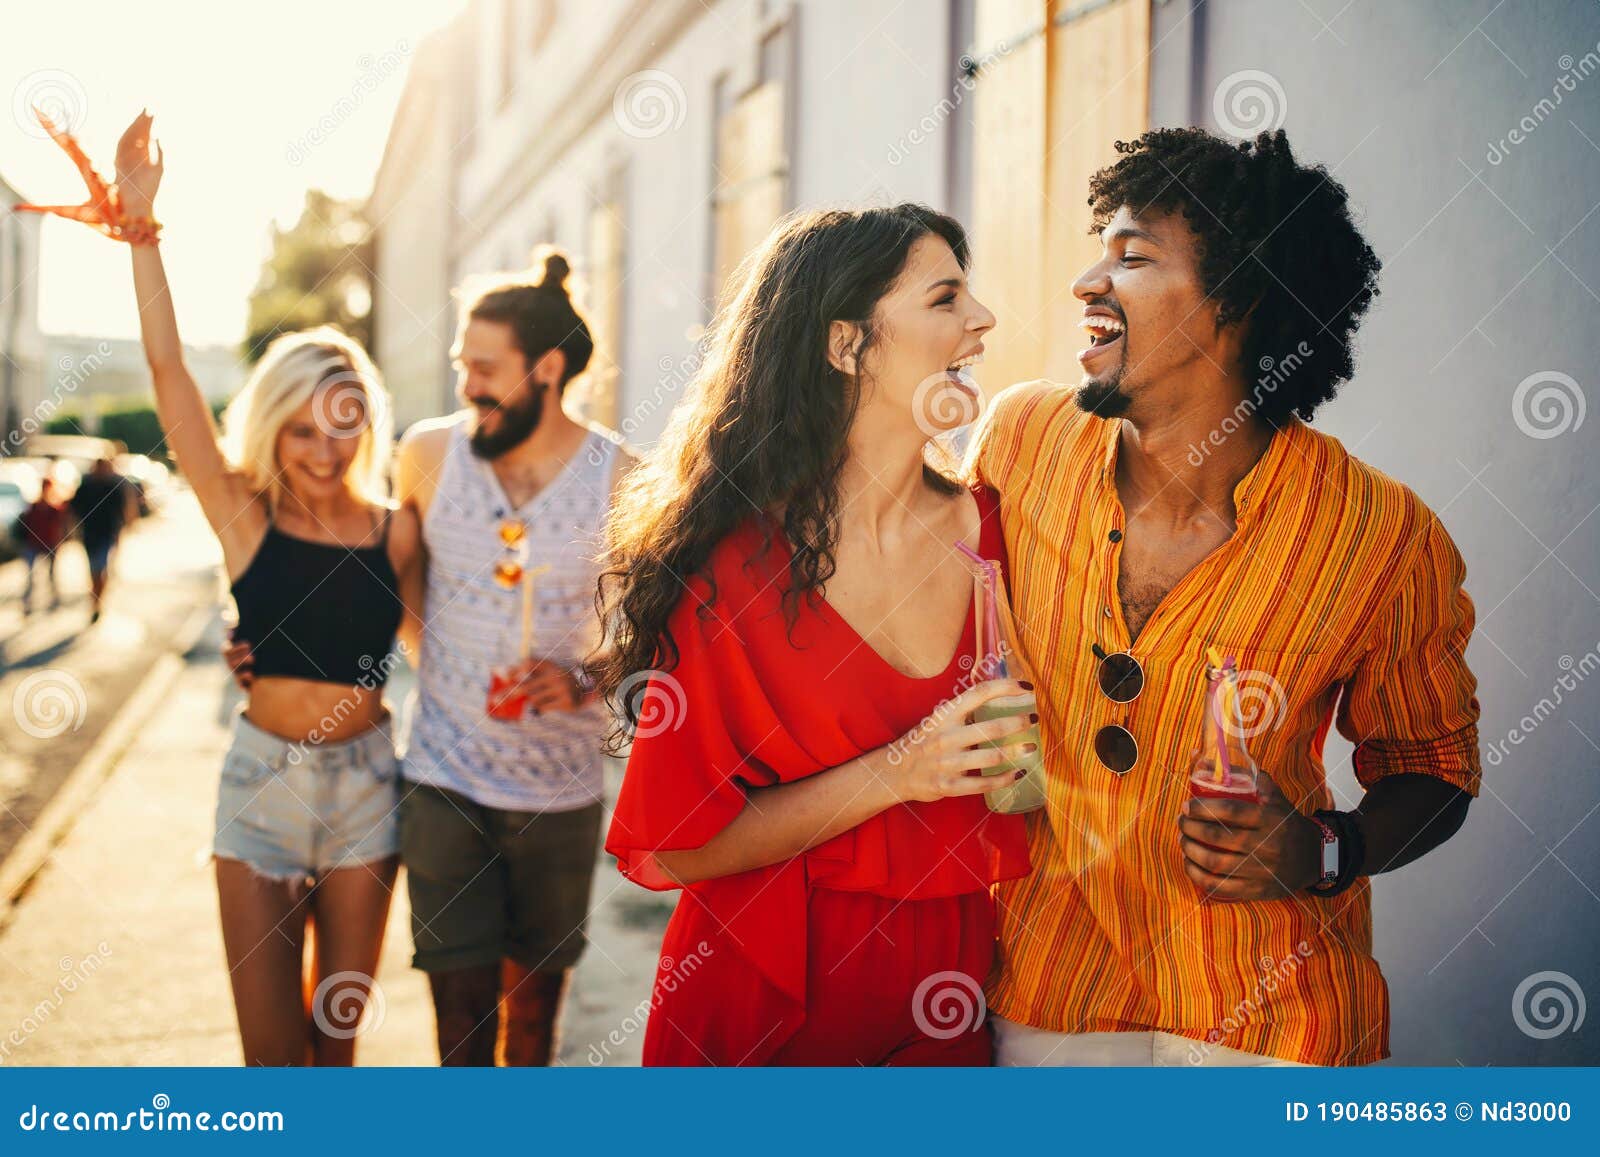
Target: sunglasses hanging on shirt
{"type": "Point", "coordinates": [1121, 680]}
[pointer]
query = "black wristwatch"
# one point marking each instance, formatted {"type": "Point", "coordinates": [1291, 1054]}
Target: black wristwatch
{"type": "Point", "coordinates": [1348, 851]}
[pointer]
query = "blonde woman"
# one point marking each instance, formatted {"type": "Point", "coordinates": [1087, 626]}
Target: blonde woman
{"type": "Point", "coordinates": [320, 564]}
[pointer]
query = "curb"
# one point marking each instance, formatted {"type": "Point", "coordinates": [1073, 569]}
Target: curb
{"type": "Point", "coordinates": [33, 850]}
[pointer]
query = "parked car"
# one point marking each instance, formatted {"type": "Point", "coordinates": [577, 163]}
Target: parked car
{"type": "Point", "coordinates": [19, 488]}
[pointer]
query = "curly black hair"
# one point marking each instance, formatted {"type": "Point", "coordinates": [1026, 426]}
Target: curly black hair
{"type": "Point", "coordinates": [1277, 243]}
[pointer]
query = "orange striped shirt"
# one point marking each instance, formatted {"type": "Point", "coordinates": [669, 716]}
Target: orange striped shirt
{"type": "Point", "coordinates": [1337, 579]}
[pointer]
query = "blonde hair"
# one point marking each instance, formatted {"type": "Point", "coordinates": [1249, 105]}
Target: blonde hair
{"type": "Point", "coordinates": [324, 366]}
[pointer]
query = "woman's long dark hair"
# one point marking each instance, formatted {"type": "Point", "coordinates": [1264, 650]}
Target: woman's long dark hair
{"type": "Point", "coordinates": [765, 423]}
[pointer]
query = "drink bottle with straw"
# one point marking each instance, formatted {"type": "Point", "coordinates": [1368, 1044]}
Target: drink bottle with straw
{"type": "Point", "coordinates": [1225, 769]}
{"type": "Point", "coordinates": [997, 657]}
{"type": "Point", "coordinates": [506, 698]}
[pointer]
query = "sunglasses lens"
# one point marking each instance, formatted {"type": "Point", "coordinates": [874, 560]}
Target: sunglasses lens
{"type": "Point", "coordinates": [508, 573]}
{"type": "Point", "coordinates": [512, 532]}
{"type": "Point", "coordinates": [1121, 677]}
{"type": "Point", "coordinates": [1116, 748]}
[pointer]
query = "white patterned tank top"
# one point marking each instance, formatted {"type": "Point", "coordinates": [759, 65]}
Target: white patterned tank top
{"type": "Point", "coordinates": [548, 762]}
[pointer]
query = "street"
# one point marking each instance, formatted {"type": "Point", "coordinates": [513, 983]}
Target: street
{"type": "Point", "coordinates": [113, 955]}
{"type": "Point", "coordinates": [63, 678]}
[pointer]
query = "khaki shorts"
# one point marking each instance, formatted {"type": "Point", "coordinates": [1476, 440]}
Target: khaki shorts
{"type": "Point", "coordinates": [487, 884]}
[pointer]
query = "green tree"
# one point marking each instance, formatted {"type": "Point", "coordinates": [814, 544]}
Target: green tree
{"type": "Point", "coordinates": [318, 274]}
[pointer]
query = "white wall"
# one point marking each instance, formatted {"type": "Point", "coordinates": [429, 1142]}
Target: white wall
{"type": "Point", "coordinates": [1491, 274]}
{"type": "Point", "coordinates": [851, 107]}
{"type": "Point", "coordinates": [20, 339]}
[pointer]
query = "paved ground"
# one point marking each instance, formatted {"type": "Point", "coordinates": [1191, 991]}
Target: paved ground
{"type": "Point", "coordinates": [113, 956]}
{"type": "Point", "coordinates": [62, 680]}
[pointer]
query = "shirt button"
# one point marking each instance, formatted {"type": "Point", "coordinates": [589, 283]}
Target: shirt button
{"type": "Point", "coordinates": [1115, 536]}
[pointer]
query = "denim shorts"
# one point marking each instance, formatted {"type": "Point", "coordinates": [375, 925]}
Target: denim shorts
{"type": "Point", "coordinates": [296, 810]}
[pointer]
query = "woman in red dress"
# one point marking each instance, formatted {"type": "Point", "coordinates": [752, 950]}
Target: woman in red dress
{"type": "Point", "coordinates": [793, 658]}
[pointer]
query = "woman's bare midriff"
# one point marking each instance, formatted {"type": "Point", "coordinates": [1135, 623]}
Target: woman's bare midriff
{"type": "Point", "coordinates": [309, 710]}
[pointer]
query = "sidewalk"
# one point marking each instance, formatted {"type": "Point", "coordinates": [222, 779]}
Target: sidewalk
{"type": "Point", "coordinates": [114, 956]}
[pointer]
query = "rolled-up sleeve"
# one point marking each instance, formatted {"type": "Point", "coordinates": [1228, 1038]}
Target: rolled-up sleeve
{"type": "Point", "coordinates": [1411, 704]}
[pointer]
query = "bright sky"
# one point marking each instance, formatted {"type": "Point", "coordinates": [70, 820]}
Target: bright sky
{"type": "Point", "coordinates": [238, 92]}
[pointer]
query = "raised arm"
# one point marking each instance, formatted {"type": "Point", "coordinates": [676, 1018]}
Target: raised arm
{"type": "Point", "coordinates": [183, 411]}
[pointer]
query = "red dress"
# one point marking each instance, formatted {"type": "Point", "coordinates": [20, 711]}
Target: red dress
{"type": "Point", "coordinates": [871, 948]}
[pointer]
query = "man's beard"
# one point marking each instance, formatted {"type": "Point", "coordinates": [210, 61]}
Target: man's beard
{"type": "Point", "coordinates": [516, 424]}
{"type": "Point", "coordinates": [1104, 398]}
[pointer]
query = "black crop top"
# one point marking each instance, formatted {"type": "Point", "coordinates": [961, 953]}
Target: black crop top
{"type": "Point", "coordinates": [317, 610]}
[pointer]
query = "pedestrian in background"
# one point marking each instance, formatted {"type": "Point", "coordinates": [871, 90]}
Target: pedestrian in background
{"type": "Point", "coordinates": [102, 506]}
{"type": "Point", "coordinates": [42, 528]}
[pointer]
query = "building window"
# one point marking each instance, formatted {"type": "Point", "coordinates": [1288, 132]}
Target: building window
{"type": "Point", "coordinates": [508, 50]}
{"type": "Point", "coordinates": [1033, 151]}
{"type": "Point", "coordinates": [750, 176]}
{"type": "Point", "coordinates": [607, 243]}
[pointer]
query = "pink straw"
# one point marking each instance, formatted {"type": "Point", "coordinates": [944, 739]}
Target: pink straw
{"type": "Point", "coordinates": [990, 622]}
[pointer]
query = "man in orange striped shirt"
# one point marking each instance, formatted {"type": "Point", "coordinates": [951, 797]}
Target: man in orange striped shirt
{"type": "Point", "coordinates": [1177, 502]}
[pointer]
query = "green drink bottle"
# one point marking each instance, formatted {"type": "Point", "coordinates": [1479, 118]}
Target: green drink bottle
{"type": "Point", "coordinates": [997, 657]}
